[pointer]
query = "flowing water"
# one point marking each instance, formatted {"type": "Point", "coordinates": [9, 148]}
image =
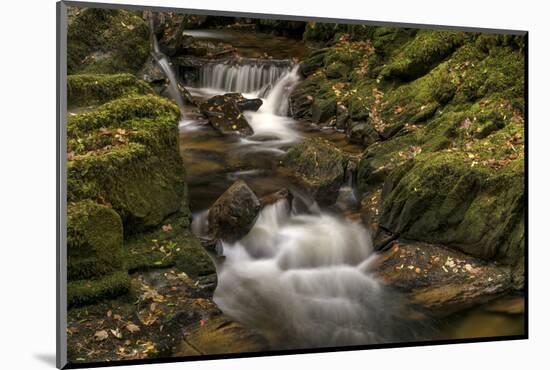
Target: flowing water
{"type": "Point", "coordinates": [301, 276]}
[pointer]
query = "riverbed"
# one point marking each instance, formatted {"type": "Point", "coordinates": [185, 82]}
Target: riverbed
{"type": "Point", "coordinates": [299, 277]}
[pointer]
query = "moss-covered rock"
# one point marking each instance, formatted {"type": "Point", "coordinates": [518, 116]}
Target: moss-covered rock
{"type": "Point", "coordinates": [447, 108]}
{"type": "Point", "coordinates": [94, 240]}
{"type": "Point", "coordinates": [319, 166]}
{"type": "Point", "coordinates": [92, 89]}
{"type": "Point", "coordinates": [444, 199]}
{"type": "Point", "coordinates": [440, 279]}
{"type": "Point", "coordinates": [125, 154]}
{"type": "Point", "coordinates": [87, 291]}
{"type": "Point", "coordinates": [106, 41]}
{"type": "Point", "coordinates": [169, 245]}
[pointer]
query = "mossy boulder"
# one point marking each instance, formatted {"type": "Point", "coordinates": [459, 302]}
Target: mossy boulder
{"type": "Point", "coordinates": [88, 291]}
{"type": "Point", "coordinates": [125, 154]}
{"type": "Point", "coordinates": [107, 41]}
{"type": "Point", "coordinates": [171, 244]}
{"type": "Point", "coordinates": [438, 278]}
{"type": "Point", "coordinates": [418, 56]}
{"type": "Point", "coordinates": [444, 199]}
{"type": "Point", "coordinates": [319, 166]}
{"type": "Point", "coordinates": [93, 89]}
{"type": "Point", "coordinates": [94, 240]}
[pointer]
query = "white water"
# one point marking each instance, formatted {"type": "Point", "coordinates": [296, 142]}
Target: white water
{"type": "Point", "coordinates": [303, 280]}
{"type": "Point", "coordinates": [244, 78]}
{"type": "Point", "coordinates": [272, 126]}
{"type": "Point", "coordinates": [166, 67]}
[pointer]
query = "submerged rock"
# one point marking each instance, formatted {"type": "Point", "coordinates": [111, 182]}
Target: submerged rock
{"type": "Point", "coordinates": [439, 278]}
{"type": "Point", "coordinates": [224, 115]}
{"type": "Point", "coordinates": [233, 214]}
{"type": "Point", "coordinates": [319, 166]}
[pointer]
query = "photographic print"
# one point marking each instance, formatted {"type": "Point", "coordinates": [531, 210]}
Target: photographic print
{"type": "Point", "coordinates": [241, 185]}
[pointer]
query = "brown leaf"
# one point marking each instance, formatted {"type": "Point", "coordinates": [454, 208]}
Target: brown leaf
{"type": "Point", "coordinates": [167, 227]}
{"type": "Point", "coordinates": [116, 333]}
{"type": "Point", "coordinates": [101, 335]}
{"type": "Point", "coordinates": [132, 328]}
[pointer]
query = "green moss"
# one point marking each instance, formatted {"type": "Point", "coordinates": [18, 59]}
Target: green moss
{"type": "Point", "coordinates": [319, 166]}
{"type": "Point", "coordinates": [418, 56]}
{"type": "Point", "coordinates": [83, 292]}
{"type": "Point", "coordinates": [173, 245]}
{"type": "Point", "coordinates": [326, 32]}
{"type": "Point", "coordinates": [94, 240]}
{"type": "Point", "coordinates": [125, 153]}
{"type": "Point", "coordinates": [106, 41]}
{"type": "Point", "coordinates": [445, 199]}
{"type": "Point", "coordinates": [92, 89]}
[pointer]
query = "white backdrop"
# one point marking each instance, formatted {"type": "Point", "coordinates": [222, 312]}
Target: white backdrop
{"type": "Point", "coordinates": [27, 181]}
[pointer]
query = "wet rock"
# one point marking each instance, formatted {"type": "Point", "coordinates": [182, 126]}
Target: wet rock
{"type": "Point", "coordinates": [224, 115]}
{"type": "Point", "coordinates": [244, 103]}
{"type": "Point", "coordinates": [313, 63]}
{"type": "Point", "coordinates": [337, 70]}
{"type": "Point", "coordinates": [323, 109]}
{"type": "Point", "coordinates": [219, 335]}
{"type": "Point", "coordinates": [362, 133]}
{"type": "Point", "coordinates": [342, 117]}
{"type": "Point", "coordinates": [283, 194]}
{"type": "Point", "coordinates": [233, 214]}
{"type": "Point", "coordinates": [439, 278]}
{"type": "Point", "coordinates": [319, 166]}
{"type": "Point", "coordinates": [186, 95]}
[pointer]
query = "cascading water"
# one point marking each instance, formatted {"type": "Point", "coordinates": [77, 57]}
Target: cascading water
{"type": "Point", "coordinates": [164, 64]}
{"type": "Point", "coordinates": [303, 280]}
{"type": "Point", "coordinates": [248, 76]}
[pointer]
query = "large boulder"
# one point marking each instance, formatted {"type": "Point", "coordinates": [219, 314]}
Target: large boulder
{"type": "Point", "coordinates": [95, 266]}
{"type": "Point", "coordinates": [443, 198]}
{"type": "Point", "coordinates": [233, 214]}
{"type": "Point", "coordinates": [219, 335]}
{"type": "Point", "coordinates": [441, 279]}
{"type": "Point", "coordinates": [224, 115]}
{"type": "Point", "coordinates": [91, 89]}
{"type": "Point", "coordinates": [125, 154]}
{"type": "Point", "coordinates": [319, 166]}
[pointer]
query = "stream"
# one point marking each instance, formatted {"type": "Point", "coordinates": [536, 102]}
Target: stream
{"type": "Point", "coordinates": [301, 276]}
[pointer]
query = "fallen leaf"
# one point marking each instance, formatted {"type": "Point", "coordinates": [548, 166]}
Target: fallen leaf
{"type": "Point", "coordinates": [101, 335]}
{"type": "Point", "coordinates": [132, 328]}
{"type": "Point", "coordinates": [116, 333]}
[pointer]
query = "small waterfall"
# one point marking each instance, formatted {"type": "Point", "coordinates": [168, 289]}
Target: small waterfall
{"type": "Point", "coordinates": [301, 280]}
{"type": "Point", "coordinates": [244, 76]}
{"type": "Point", "coordinates": [276, 101]}
{"type": "Point", "coordinates": [164, 64]}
